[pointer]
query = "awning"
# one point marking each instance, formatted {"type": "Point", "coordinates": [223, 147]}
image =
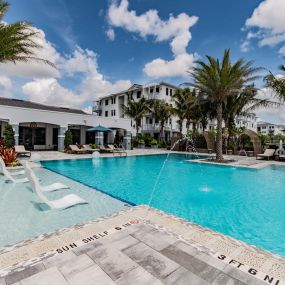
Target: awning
{"type": "Point", "coordinates": [99, 128]}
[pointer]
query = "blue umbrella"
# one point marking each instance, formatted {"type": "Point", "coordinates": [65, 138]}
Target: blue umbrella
{"type": "Point", "coordinates": [99, 128]}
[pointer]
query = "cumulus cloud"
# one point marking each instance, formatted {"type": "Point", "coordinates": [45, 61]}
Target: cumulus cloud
{"type": "Point", "coordinates": [176, 67]}
{"type": "Point", "coordinates": [176, 30]}
{"type": "Point", "coordinates": [49, 91]}
{"type": "Point", "coordinates": [268, 18]}
{"type": "Point", "coordinates": [5, 86]}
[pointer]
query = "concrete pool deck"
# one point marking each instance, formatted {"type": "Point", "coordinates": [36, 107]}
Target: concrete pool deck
{"type": "Point", "coordinates": [140, 245]}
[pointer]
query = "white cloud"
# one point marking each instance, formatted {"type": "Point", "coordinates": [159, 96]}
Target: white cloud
{"type": "Point", "coordinates": [88, 109]}
{"type": "Point", "coordinates": [176, 30]}
{"type": "Point", "coordinates": [93, 87]}
{"type": "Point", "coordinates": [110, 34]}
{"type": "Point", "coordinates": [176, 67]}
{"type": "Point", "coordinates": [245, 46]}
{"type": "Point", "coordinates": [268, 18]}
{"type": "Point", "coordinates": [80, 61]}
{"type": "Point", "coordinates": [272, 115]}
{"type": "Point", "coordinates": [5, 86]}
{"type": "Point", "coordinates": [49, 91]}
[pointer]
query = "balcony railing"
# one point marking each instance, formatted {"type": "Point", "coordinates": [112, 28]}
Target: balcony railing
{"type": "Point", "coordinates": [154, 127]}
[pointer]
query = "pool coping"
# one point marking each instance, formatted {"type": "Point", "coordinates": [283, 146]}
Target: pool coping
{"type": "Point", "coordinates": [241, 256]}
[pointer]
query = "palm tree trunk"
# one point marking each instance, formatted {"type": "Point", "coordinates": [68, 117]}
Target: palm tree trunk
{"type": "Point", "coordinates": [161, 137]}
{"type": "Point", "coordinates": [219, 146]}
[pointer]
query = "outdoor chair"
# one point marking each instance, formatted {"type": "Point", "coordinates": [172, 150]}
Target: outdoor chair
{"type": "Point", "coordinates": [9, 175]}
{"type": "Point", "coordinates": [62, 203]}
{"type": "Point", "coordinates": [20, 150]}
{"type": "Point", "coordinates": [269, 153]}
{"type": "Point", "coordinates": [76, 149]}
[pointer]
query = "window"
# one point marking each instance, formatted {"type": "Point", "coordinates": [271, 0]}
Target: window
{"type": "Point", "coordinates": [106, 102]}
{"type": "Point", "coordinates": [150, 121]}
{"type": "Point", "coordinates": [157, 89]}
{"type": "Point", "coordinates": [139, 94]}
{"type": "Point", "coordinates": [106, 113]}
{"type": "Point", "coordinates": [166, 91]}
{"type": "Point", "coordinates": [151, 90]}
{"type": "Point", "coordinates": [170, 92]}
{"type": "Point", "coordinates": [114, 112]}
{"type": "Point", "coordinates": [114, 100]}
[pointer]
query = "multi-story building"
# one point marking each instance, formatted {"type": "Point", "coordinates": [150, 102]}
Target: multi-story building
{"type": "Point", "coordinates": [111, 106]}
{"type": "Point", "coordinates": [265, 128]}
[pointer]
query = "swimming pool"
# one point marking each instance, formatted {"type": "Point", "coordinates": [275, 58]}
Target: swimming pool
{"type": "Point", "coordinates": [22, 216]}
{"type": "Point", "coordinates": [246, 204]}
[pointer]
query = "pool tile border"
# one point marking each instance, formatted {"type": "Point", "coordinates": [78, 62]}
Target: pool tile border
{"type": "Point", "coordinates": [236, 254]}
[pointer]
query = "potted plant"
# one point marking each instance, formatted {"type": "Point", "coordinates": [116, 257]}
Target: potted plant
{"type": "Point", "coordinates": [141, 143]}
{"type": "Point", "coordinates": [153, 143]}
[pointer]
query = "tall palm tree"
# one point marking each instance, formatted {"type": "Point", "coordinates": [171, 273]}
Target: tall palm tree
{"type": "Point", "coordinates": [277, 84]}
{"type": "Point", "coordinates": [17, 40]}
{"type": "Point", "coordinates": [136, 110]}
{"type": "Point", "coordinates": [161, 111]}
{"type": "Point", "coordinates": [218, 80]}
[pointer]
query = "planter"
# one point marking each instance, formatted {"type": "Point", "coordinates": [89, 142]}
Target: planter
{"type": "Point", "coordinates": [141, 146]}
{"type": "Point", "coordinates": [154, 146]}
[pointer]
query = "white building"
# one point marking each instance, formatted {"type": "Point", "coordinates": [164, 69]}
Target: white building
{"type": "Point", "coordinates": [265, 128]}
{"type": "Point", "coordinates": [111, 106]}
{"type": "Point", "coordinates": [40, 126]}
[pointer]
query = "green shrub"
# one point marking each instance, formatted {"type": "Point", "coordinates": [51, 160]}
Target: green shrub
{"type": "Point", "coordinates": [68, 140]}
{"type": "Point", "coordinates": [153, 142]}
{"type": "Point", "coordinates": [141, 141]}
{"type": "Point", "coordinates": [94, 146]}
{"type": "Point", "coordinates": [9, 139]}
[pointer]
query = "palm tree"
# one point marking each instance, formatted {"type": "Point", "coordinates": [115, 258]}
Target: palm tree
{"type": "Point", "coordinates": [17, 40]}
{"type": "Point", "coordinates": [161, 111]}
{"type": "Point", "coordinates": [179, 109]}
{"type": "Point", "coordinates": [242, 104]}
{"type": "Point", "coordinates": [217, 81]}
{"type": "Point", "coordinates": [136, 110]}
{"type": "Point", "coordinates": [277, 84]}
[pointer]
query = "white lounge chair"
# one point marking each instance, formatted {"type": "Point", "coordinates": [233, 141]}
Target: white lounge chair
{"type": "Point", "coordinates": [20, 150]}
{"type": "Point", "coordinates": [52, 187]}
{"type": "Point", "coordinates": [267, 154]}
{"type": "Point", "coordinates": [9, 175]}
{"type": "Point", "coordinates": [76, 149]}
{"type": "Point", "coordinates": [62, 203]}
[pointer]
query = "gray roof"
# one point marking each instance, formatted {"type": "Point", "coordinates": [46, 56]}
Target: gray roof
{"type": "Point", "coordinates": [32, 105]}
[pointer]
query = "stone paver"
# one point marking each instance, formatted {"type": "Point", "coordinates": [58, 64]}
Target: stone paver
{"type": "Point", "coordinates": [139, 252]}
{"type": "Point", "coordinates": [93, 275]}
{"type": "Point", "coordinates": [46, 277]}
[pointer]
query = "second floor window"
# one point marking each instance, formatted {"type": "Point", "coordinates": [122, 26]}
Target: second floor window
{"type": "Point", "coordinates": [106, 113]}
{"type": "Point", "coordinates": [157, 89]}
{"type": "Point", "coordinates": [139, 94]}
{"type": "Point", "coordinates": [170, 90]}
{"type": "Point", "coordinates": [106, 102]}
{"type": "Point", "coordinates": [166, 91]}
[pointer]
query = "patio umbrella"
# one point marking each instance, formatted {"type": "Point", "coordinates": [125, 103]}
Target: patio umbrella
{"type": "Point", "coordinates": [99, 128]}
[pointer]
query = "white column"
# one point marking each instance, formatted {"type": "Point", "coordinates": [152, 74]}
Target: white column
{"type": "Point", "coordinates": [16, 133]}
{"type": "Point", "coordinates": [60, 137]}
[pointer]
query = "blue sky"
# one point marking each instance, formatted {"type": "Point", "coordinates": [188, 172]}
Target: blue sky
{"type": "Point", "coordinates": [117, 43]}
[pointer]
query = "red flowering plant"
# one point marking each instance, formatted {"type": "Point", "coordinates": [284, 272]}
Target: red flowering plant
{"type": "Point", "coordinates": [8, 154]}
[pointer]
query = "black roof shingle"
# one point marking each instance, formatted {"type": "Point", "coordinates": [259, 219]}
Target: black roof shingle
{"type": "Point", "coordinates": [32, 105]}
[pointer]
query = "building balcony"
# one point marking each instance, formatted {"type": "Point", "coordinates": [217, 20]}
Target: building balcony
{"type": "Point", "coordinates": [154, 127]}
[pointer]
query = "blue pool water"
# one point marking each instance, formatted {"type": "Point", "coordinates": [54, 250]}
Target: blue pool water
{"type": "Point", "coordinates": [246, 204]}
{"type": "Point", "coordinates": [22, 216]}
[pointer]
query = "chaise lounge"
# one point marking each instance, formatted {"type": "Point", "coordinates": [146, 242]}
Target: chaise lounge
{"type": "Point", "coordinates": [21, 151]}
{"type": "Point", "coordinates": [269, 153]}
{"type": "Point", "coordinates": [59, 204]}
{"type": "Point", "coordinates": [89, 149]}
{"type": "Point", "coordinates": [9, 175]}
{"type": "Point", "coordinates": [76, 149]}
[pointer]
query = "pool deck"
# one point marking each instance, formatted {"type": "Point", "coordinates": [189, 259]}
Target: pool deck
{"type": "Point", "coordinates": [140, 245]}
